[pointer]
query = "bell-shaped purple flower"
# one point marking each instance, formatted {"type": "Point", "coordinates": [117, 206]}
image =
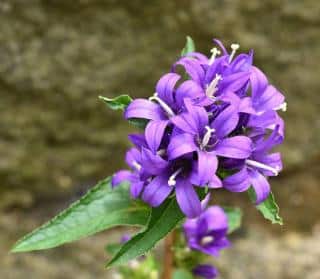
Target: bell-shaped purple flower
{"type": "Point", "coordinates": [207, 233]}
{"type": "Point", "coordinates": [205, 271]}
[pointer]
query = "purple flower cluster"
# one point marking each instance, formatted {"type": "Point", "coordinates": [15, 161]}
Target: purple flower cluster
{"type": "Point", "coordinates": [223, 117]}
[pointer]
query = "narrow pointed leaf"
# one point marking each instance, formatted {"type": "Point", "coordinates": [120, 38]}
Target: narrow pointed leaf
{"type": "Point", "coordinates": [100, 209]}
{"type": "Point", "coordinates": [189, 47]}
{"type": "Point", "coordinates": [163, 219]}
{"type": "Point", "coordinates": [117, 103]}
{"type": "Point", "coordinates": [234, 218]}
{"type": "Point", "coordinates": [269, 209]}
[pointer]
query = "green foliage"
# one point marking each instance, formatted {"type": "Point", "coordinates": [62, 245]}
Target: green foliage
{"type": "Point", "coordinates": [234, 218]}
{"type": "Point", "coordinates": [189, 46]}
{"type": "Point", "coordinates": [117, 103]}
{"type": "Point", "coordinates": [268, 208]}
{"type": "Point", "coordinates": [100, 209]}
{"type": "Point", "coordinates": [182, 274]}
{"type": "Point", "coordinates": [142, 268]}
{"type": "Point", "coordinates": [162, 220]}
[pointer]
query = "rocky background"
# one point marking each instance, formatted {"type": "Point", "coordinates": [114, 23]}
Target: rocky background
{"type": "Point", "coordinates": [57, 138]}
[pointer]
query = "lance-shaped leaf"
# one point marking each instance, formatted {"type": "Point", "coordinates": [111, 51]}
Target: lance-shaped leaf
{"type": "Point", "coordinates": [117, 103]}
{"type": "Point", "coordinates": [189, 47]}
{"type": "Point", "coordinates": [100, 209]}
{"type": "Point", "coordinates": [163, 219]}
{"type": "Point", "coordinates": [268, 208]}
{"type": "Point", "coordinates": [234, 218]}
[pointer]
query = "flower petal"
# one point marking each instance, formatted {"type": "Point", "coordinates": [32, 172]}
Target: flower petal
{"type": "Point", "coordinates": [152, 163]}
{"type": "Point", "coordinates": [165, 87]}
{"type": "Point", "coordinates": [193, 121]}
{"type": "Point", "coordinates": [226, 121]}
{"type": "Point", "coordinates": [205, 169]}
{"type": "Point", "coordinates": [260, 184]}
{"type": "Point", "coordinates": [258, 82]}
{"type": "Point", "coordinates": [192, 67]}
{"type": "Point", "coordinates": [121, 176]}
{"type": "Point", "coordinates": [154, 133]}
{"type": "Point", "coordinates": [187, 198]}
{"type": "Point", "coordinates": [270, 99]}
{"type": "Point", "coordinates": [238, 182]}
{"type": "Point", "coordinates": [133, 157]}
{"type": "Point", "coordinates": [188, 89]}
{"type": "Point", "coordinates": [205, 271]}
{"type": "Point", "coordinates": [238, 147]}
{"type": "Point", "coordinates": [157, 191]}
{"type": "Point", "coordinates": [136, 188]}
{"type": "Point", "coordinates": [180, 145]}
{"type": "Point", "coordinates": [141, 108]}
{"type": "Point", "coordinates": [138, 140]}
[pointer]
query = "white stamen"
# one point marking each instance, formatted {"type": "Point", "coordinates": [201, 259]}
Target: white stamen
{"type": "Point", "coordinates": [212, 87]}
{"type": "Point", "coordinates": [282, 107]}
{"type": "Point", "coordinates": [136, 165]}
{"type": "Point", "coordinates": [214, 52]}
{"type": "Point", "coordinates": [172, 179]}
{"type": "Point", "coordinates": [207, 136]}
{"type": "Point", "coordinates": [252, 163]}
{"type": "Point", "coordinates": [206, 240]}
{"type": "Point", "coordinates": [167, 109]}
{"type": "Point", "coordinates": [161, 152]}
{"type": "Point", "coordinates": [234, 48]}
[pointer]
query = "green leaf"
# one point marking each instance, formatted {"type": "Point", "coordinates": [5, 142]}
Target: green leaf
{"type": "Point", "coordinates": [182, 274]}
{"type": "Point", "coordinates": [268, 208]}
{"type": "Point", "coordinates": [234, 218]}
{"type": "Point", "coordinates": [101, 208]}
{"type": "Point", "coordinates": [189, 47]}
{"type": "Point", "coordinates": [117, 103]}
{"type": "Point", "coordinates": [163, 219]}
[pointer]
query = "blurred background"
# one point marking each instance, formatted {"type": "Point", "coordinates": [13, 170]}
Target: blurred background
{"type": "Point", "coordinates": [57, 139]}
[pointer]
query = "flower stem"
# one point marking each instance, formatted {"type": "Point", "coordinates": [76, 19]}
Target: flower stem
{"type": "Point", "coordinates": [168, 261]}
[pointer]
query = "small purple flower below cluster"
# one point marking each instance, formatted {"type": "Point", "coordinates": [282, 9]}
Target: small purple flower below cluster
{"type": "Point", "coordinates": [223, 117]}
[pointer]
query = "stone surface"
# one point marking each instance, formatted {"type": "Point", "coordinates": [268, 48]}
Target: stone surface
{"type": "Point", "coordinates": [57, 138]}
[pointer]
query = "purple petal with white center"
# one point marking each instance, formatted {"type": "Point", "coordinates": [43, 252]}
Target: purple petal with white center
{"type": "Point", "coordinates": [226, 121]}
{"type": "Point", "coordinates": [152, 163]}
{"type": "Point", "coordinates": [187, 198]}
{"type": "Point", "coordinates": [180, 145]}
{"type": "Point", "coordinates": [206, 168]}
{"type": "Point", "coordinates": [193, 121]}
{"type": "Point", "coordinates": [165, 87]}
{"type": "Point", "coordinates": [141, 108]}
{"type": "Point", "coordinates": [121, 176]}
{"type": "Point", "coordinates": [154, 133]}
{"type": "Point", "coordinates": [188, 89]}
{"type": "Point", "coordinates": [238, 147]}
{"type": "Point", "coordinates": [238, 182]}
{"type": "Point", "coordinates": [258, 82]}
{"type": "Point", "coordinates": [260, 185]}
{"type": "Point", "coordinates": [157, 191]}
